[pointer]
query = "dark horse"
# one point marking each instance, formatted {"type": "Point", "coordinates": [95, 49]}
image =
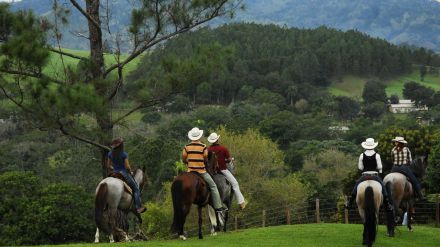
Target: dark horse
{"type": "Point", "coordinates": [189, 188]}
{"type": "Point", "coordinates": [369, 198]}
{"type": "Point", "coordinates": [401, 191]}
{"type": "Point", "coordinates": [113, 201]}
{"type": "Point", "coordinates": [225, 190]}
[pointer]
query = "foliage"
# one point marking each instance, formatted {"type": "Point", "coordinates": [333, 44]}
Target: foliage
{"type": "Point", "coordinates": [345, 107]}
{"type": "Point", "coordinates": [151, 117]}
{"type": "Point", "coordinates": [419, 142]}
{"type": "Point", "coordinates": [432, 177]}
{"type": "Point", "coordinates": [374, 110]}
{"type": "Point", "coordinates": [374, 91]}
{"type": "Point", "coordinates": [420, 94]}
{"type": "Point", "coordinates": [35, 214]}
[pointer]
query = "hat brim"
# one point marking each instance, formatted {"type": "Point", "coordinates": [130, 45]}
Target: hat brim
{"type": "Point", "coordinates": [364, 145]}
{"type": "Point", "coordinates": [195, 138]}
{"type": "Point", "coordinates": [212, 140]}
{"type": "Point", "coordinates": [401, 141]}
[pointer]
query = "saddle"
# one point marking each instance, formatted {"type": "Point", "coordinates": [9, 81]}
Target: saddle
{"type": "Point", "coordinates": [369, 175]}
{"type": "Point", "coordinates": [119, 176]}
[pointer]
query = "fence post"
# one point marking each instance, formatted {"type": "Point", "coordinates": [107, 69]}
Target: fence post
{"type": "Point", "coordinates": [264, 218]}
{"type": "Point", "coordinates": [317, 211]}
{"type": "Point", "coordinates": [236, 222]}
{"type": "Point", "coordinates": [346, 215]}
{"type": "Point", "coordinates": [288, 215]}
{"type": "Point", "coordinates": [437, 210]}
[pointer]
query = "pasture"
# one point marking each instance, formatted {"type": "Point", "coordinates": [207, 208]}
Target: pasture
{"type": "Point", "coordinates": [306, 235]}
{"type": "Point", "coordinates": [352, 86]}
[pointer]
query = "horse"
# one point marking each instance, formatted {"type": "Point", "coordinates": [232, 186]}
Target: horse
{"type": "Point", "coordinates": [189, 188]}
{"type": "Point", "coordinates": [401, 191]}
{"type": "Point", "coordinates": [113, 203]}
{"type": "Point", "coordinates": [368, 199]}
{"type": "Point", "coordinates": [225, 190]}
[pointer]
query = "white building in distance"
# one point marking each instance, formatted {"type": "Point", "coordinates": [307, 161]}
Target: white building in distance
{"type": "Point", "coordinates": [406, 106]}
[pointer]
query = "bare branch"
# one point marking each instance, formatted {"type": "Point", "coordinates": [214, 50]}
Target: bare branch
{"type": "Point", "coordinates": [33, 75]}
{"type": "Point", "coordinates": [142, 105]}
{"type": "Point", "coordinates": [11, 98]}
{"type": "Point", "coordinates": [153, 41]}
{"type": "Point", "coordinates": [89, 17]}
{"type": "Point", "coordinates": [79, 34]}
{"type": "Point", "coordinates": [66, 53]}
{"type": "Point", "coordinates": [118, 85]}
{"type": "Point", "coordinates": [80, 138]}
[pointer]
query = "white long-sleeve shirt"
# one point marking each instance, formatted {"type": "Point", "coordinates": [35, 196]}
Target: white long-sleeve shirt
{"type": "Point", "coordinates": [370, 153]}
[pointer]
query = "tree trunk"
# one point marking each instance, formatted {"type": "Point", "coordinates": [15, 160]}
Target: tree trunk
{"type": "Point", "coordinates": [97, 57]}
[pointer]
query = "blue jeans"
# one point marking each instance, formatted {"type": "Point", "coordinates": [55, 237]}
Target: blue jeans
{"type": "Point", "coordinates": [134, 186]}
{"type": "Point", "coordinates": [405, 170]}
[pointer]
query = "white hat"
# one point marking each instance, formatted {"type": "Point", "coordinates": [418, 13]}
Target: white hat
{"type": "Point", "coordinates": [399, 139]}
{"type": "Point", "coordinates": [195, 134]}
{"type": "Point", "coordinates": [369, 143]}
{"type": "Point", "coordinates": [213, 137]}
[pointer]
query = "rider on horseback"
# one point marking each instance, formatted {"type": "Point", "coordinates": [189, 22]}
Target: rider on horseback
{"type": "Point", "coordinates": [119, 159]}
{"type": "Point", "coordinates": [224, 157]}
{"type": "Point", "coordinates": [195, 155]}
{"type": "Point", "coordinates": [402, 159]}
{"type": "Point", "coordinates": [369, 160]}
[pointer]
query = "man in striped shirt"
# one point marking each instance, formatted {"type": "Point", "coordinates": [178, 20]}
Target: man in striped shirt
{"type": "Point", "coordinates": [195, 155]}
{"type": "Point", "coordinates": [402, 160]}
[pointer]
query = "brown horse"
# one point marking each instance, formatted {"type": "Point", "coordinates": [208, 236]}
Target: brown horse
{"type": "Point", "coordinates": [401, 191]}
{"type": "Point", "coordinates": [189, 188]}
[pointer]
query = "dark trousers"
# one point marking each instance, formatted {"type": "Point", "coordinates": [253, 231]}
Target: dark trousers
{"type": "Point", "coordinates": [134, 186]}
{"type": "Point", "coordinates": [405, 170]}
{"type": "Point", "coordinates": [363, 178]}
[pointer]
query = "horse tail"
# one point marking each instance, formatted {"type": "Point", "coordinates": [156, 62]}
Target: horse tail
{"type": "Point", "coordinates": [389, 192]}
{"type": "Point", "coordinates": [100, 205]}
{"type": "Point", "coordinates": [178, 217]}
{"type": "Point", "coordinates": [370, 215]}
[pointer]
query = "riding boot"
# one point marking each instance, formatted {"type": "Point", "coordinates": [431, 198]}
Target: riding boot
{"type": "Point", "coordinates": [420, 195]}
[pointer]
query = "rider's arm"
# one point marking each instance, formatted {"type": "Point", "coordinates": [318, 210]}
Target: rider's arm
{"type": "Point", "coordinates": [227, 156]}
{"type": "Point", "coordinates": [361, 163]}
{"type": "Point", "coordinates": [205, 155]}
{"type": "Point", "coordinates": [379, 163]}
{"type": "Point", "coordinates": [109, 163]}
{"type": "Point", "coordinates": [409, 156]}
{"type": "Point", "coordinates": [127, 165]}
{"type": "Point", "coordinates": [184, 156]}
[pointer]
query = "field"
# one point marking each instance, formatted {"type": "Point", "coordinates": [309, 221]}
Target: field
{"type": "Point", "coordinates": [321, 235]}
{"type": "Point", "coordinates": [352, 86]}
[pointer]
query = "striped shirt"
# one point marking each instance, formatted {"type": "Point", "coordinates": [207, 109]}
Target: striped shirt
{"type": "Point", "coordinates": [195, 154]}
{"type": "Point", "coordinates": [402, 157]}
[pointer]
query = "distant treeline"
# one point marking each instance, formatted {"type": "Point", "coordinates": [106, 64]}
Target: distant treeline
{"type": "Point", "coordinates": [285, 59]}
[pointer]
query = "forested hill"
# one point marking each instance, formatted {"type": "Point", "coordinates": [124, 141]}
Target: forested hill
{"type": "Point", "coordinates": [285, 61]}
{"type": "Point", "coordinates": [415, 22]}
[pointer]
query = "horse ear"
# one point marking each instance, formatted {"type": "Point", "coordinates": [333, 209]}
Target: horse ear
{"type": "Point", "coordinates": [143, 168]}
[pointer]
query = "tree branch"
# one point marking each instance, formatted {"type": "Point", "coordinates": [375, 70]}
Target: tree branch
{"type": "Point", "coordinates": [89, 17]}
{"type": "Point", "coordinates": [66, 53]}
{"type": "Point", "coordinates": [19, 104]}
{"type": "Point", "coordinates": [151, 42]}
{"type": "Point", "coordinates": [138, 107]}
{"type": "Point", "coordinates": [33, 75]}
{"type": "Point", "coordinates": [80, 138]}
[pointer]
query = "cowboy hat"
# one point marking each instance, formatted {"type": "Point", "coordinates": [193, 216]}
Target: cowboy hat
{"type": "Point", "coordinates": [195, 134]}
{"type": "Point", "coordinates": [213, 137]}
{"type": "Point", "coordinates": [116, 142]}
{"type": "Point", "coordinates": [399, 139]}
{"type": "Point", "coordinates": [369, 143]}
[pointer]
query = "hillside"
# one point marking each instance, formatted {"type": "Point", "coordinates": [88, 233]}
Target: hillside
{"type": "Point", "coordinates": [414, 22]}
{"type": "Point", "coordinates": [321, 235]}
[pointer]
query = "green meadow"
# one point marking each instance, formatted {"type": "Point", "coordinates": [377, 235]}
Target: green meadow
{"type": "Point", "coordinates": [319, 235]}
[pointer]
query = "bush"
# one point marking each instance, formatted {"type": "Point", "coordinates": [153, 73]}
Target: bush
{"type": "Point", "coordinates": [151, 117]}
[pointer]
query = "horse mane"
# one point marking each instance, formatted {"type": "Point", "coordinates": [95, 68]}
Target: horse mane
{"type": "Point", "coordinates": [212, 165]}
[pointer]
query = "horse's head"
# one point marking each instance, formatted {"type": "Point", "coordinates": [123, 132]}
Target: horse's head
{"type": "Point", "coordinates": [419, 165]}
{"type": "Point", "coordinates": [141, 178]}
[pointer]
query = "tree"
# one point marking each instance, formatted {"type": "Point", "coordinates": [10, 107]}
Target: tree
{"type": "Point", "coordinates": [374, 91]}
{"type": "Point", "coordinates": [394, 99]}
{"type": "Point", "coordinates": [345, 107]}
{"type": "Point", "coordinates": [423, 71]}
{"type": "Point", "coordinates": [54, 99]}
{"type": "Point", "coordinates": [420, 94]}
{"type": "Point", "coordinates": [433, 171]}
{"type": "Point", "coordinates": [374, 110]}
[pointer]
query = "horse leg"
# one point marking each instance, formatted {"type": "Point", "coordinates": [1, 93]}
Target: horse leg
{"type": "Point", "coordinates": [213, 220]}
{"type": "Point", "coordinates": [200, 222]}
{"type": "Point", "coordinates": [186, 209]}
{"type": "Point", "coordinates": [97, 235]}
{"type": "Point", "coordinates": [112, 240]}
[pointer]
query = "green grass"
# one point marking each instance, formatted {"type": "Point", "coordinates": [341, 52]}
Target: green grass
{"type": "Point", "coordinates": [352, 86]}
{"type": "Point", "coordinates": [320, 235]}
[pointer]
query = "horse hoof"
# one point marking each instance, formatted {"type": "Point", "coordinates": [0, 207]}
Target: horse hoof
{"type": "Point", "coordinates": [214, 234]}
{"type": "Point", "coordinates": [182, 237]}
{"type": "Point", "coordinates": [410, 230]}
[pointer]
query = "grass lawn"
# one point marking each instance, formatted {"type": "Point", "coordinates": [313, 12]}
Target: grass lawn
{"type": "Point", "coordinates": [320, 235]}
